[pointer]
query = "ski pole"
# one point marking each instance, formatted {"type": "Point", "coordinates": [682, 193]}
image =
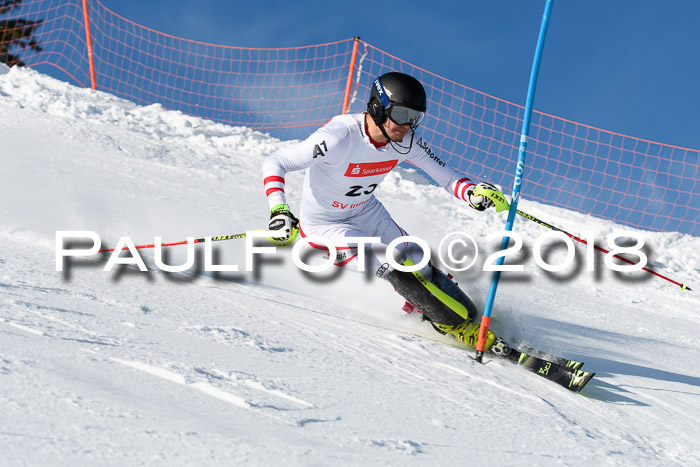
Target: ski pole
{"type": "Point", "coordinates": [527, 216]}
{"type": "Point", "coordinates": [501, 205]}
{"type": "Point", "coordinates": [519, 177]}
{"type": "Point", "coordinates": [287, 242]}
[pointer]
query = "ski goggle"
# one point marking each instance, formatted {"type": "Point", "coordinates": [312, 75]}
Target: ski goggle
{"type": "Point", "coordinates": [402, 115]}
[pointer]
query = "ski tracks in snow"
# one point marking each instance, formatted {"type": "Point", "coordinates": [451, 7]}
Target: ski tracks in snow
{"type": "Point", "coordinates": [237, 389]}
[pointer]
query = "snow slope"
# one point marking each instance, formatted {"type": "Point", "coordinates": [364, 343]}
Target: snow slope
{"type": "Point", "coordinates": [201, 368]}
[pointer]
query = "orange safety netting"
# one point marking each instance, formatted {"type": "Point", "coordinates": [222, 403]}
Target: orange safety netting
{"type": "Point", "coordinates": [630, 180]}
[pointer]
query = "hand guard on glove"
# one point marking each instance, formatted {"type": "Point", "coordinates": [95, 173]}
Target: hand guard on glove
{"type": "Point", "coordinates": [481, 202]}
{"type": "Point", "coordinates": [283, 220]}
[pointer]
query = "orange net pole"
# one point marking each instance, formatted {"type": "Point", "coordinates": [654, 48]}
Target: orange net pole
{"type": "Point", "coordinates": [88, 40]}
{"type": "Point", "coordinates": [348, 84]}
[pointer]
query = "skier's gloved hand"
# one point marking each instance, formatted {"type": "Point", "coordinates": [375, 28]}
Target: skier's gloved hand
{"type": "Point", "coordinates": [283, 220]}
{"type": "Point", "coordinates": [481, 202]}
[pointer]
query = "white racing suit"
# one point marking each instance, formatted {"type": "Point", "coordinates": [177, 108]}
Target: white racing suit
{"type": "Point", "coordinates": [338, 202]}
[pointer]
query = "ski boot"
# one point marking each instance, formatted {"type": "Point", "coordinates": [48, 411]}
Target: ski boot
{"type": "Point", "coordinates": [467, 333]}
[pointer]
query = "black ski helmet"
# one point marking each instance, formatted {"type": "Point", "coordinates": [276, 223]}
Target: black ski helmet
{"type": "Point", "coordinates": [392, 93]}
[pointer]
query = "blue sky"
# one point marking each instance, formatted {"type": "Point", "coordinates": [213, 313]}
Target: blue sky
{"type": "Point", "coordinates": [628, 66]}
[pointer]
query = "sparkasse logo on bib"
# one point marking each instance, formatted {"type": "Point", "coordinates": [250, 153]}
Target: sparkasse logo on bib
{"type": "Point", "coordinates": [368, 169]}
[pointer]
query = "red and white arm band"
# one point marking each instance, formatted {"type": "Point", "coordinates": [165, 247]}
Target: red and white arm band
{"type": "Point", "coordinates": [274, 190]}
{"type": "Point", "coordinates": [460, 188]}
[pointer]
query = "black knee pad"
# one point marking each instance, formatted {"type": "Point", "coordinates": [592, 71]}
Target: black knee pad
{"type": "Point", "coordinates": [433, 307]}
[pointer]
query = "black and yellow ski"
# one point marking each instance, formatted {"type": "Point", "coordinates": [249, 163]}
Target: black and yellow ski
{"type": "Point", "coordinates": [571, 364]}
{"type": "Point", "coordinates": [566, 374]}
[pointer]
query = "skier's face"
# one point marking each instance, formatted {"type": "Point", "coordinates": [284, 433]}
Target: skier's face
{"type": "Point", "coordinates": [395, 131]}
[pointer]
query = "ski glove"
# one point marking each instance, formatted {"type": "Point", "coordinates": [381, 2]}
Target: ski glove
{"type": "Point", "coordinates": [481, 202]}
{"type": "Point", "coordinates": [283, 220]}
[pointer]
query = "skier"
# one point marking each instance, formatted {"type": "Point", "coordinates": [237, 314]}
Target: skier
{"type": "Point", "coordinates": [346, 159]}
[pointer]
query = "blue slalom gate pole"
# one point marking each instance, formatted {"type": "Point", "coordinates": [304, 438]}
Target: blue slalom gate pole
{"type": "Point", "coordinates": [519, 175]}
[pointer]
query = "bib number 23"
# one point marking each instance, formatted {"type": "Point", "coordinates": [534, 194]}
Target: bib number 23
{"type": "Point", "coordinates": [357, 190]}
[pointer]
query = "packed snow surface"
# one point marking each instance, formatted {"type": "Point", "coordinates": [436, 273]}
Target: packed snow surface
{"type": "Point", "coordinates": [282, 367]}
